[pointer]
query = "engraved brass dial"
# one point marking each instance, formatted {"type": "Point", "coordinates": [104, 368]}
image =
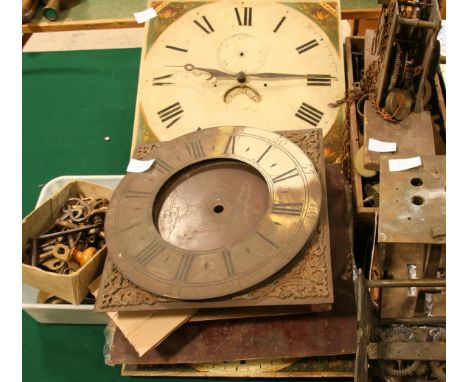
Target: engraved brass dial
{"type": "Point", "coordinates": [246, 63]}
{"type": "Point", "coordinates": [220, 210]}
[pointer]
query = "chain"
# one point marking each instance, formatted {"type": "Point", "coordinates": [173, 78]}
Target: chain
{"type": "Point", "coordinates": [367, 85]}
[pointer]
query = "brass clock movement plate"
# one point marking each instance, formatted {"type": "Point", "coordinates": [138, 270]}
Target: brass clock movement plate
{"type": "Point", "coordinates": [220, 214]}
{"type": "Point", "coordinates": [275, 65]}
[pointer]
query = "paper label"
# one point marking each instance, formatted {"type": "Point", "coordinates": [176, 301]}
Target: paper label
{"type": "Point", "coordinates": [136, 165]}
{"type": "Point", "coordinates": [403, 164]}
{"type": "Point", "coordinates": [145, 15]}
{"type": "Point", "coordinates": [381, 147]}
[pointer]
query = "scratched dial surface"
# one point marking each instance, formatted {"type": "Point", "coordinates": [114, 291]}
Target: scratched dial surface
{"type": "Point", "coordinates": [220, 210]}
{"type": "Point", "coordinates": [233, 36]}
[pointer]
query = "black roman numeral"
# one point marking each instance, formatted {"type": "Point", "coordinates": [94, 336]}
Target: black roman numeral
{"type": "Point", "coordinates": [231, 145]}
{"type": "Point", "coordinates": [207, 28]}
{"type": "Point", "coordinates": [309, 114]}
{"type": "Point", "coordinates": [247, 19]}
{"type": "Point", "coordinates": [195, 149]}
{"type": "Point", "coordinates": [157, 81]}
{"type": "Point", "coordinates": [308, 45]}
{"type": "Point", "coordinates": [319, 80]}
{"type": "Point", "coordinates": [287, 209]}
{"type": "Point", "coordinates": [149, 253]}
{"type": "Point", "coordinates": [286, 175]}
{"type": "Point", "coordinates": [176, 48]}
{"type": "Point", "coordinates": [171, 114]}
{"type": "Point", "coordinates": [228, 262]}
{"type": "Point", "coordinates": [162, 166]}
{"type": "Point", "coordinates": [184, 267]}
{"type": "Point", "coordinates": [279, 24]}
{"type": "Point", "coordinates": [136, 194]}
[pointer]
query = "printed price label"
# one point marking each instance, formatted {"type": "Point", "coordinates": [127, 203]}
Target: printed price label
{"type": "Point", "coordinates": [145, 15]}
{"type": "Point", "coordinates": [136, 165]}
{"type": "Point", "coordinates": [403, 164]}
{"type": "Point", "coordinates": [381, 147]}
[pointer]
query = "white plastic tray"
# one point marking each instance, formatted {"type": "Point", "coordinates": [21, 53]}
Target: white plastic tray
{"type": "Point", "coordinates": [65, 313]}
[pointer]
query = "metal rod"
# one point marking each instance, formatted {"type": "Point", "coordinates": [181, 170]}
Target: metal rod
{"type": "Point", "coordinates": [414, 321]}
{"type": "Point", "coordinates": [62, 233]}
{"type": "Point", "coordinates": [418, 23]}
{"type": "Point", "coordinates": [406, 283]}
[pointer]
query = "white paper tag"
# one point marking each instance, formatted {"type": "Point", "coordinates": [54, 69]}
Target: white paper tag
{"type": "Point", "coordinates": [145, 15]}
{"type": "Point", "coordinates": [136, 165]}
{"type": "Point", "coordinates": [381, 147]}
{"type": "Point", "coordinates": [403, 164]}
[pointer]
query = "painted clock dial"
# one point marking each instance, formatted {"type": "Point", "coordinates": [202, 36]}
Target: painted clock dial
{"type": "Point", "coordinates": [252, 63]}
{"type": "Point", "coordinates": [220, 210]}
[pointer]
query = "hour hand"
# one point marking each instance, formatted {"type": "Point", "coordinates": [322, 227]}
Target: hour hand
{"type": "Point", "coordinates": [214, 72]}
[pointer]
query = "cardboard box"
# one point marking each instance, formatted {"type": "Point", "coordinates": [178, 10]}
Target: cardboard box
{"type": "Point", "coordinates": [73, 287]}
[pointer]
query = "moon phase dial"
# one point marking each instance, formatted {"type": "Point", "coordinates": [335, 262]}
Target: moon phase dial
{"type": "Point", "coordinates": [220, 211]}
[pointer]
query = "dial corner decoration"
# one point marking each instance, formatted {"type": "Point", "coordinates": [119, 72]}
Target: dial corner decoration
{"type": "Point", "coordinates": [220, 211]}
{"type": "Point", "coordinates": [231, 62]}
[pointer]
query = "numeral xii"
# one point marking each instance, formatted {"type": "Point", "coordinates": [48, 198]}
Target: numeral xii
{"type": "Point", "coordinates": [246, 20]}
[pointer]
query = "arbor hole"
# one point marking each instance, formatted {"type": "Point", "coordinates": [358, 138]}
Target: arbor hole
{"type": "Point", "coordinates": [416, 182]}
{"type": "Point", "coordinates": [218, 209]}
{"type": "Point", "coordinates": [417, 200]}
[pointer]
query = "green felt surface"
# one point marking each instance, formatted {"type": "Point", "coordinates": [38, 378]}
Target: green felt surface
{"type": "Point", "coordinates": [71, 101]}
{"type": "Point", "coordinates": [122, 9]}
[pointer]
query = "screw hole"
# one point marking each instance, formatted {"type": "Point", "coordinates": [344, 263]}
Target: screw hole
{"type": "Point", "coordinates": [265, 85]}
{"type": "Point", "coordinates": [218, 209]}
{"type": "Point", "coordinates": [417, 200]}
{"type": "Point", "coordinates": [416, 182]}
{"type": "Point", "coordinates": [409, 218]}
{"type": "Point", "coordinates": [242, 54]}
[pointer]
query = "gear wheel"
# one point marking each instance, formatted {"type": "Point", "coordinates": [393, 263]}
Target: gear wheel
{"type": "Point", "coordinates": [398, 368]}
{"type": "Point", "coordinates": [396, 68]}
{"type": "Point", "coordinates": [438, 371]}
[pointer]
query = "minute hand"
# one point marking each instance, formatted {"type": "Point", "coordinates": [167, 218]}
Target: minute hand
{"type": "Point", "coordinates": [287, 75]}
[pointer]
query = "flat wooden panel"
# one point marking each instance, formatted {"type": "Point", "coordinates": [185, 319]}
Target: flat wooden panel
{"type": "Point", "coordinates": [314, 334]}
{"type": "Point", "coordinates": [101, 14]}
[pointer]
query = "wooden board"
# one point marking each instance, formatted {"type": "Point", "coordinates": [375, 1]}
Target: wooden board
{"type": "Point", "coordinates": [90, 14]}
{"type": "Point", "coordinates": [313, 367]}
{"type": "Point", "coordinates": [111, 14]}
{"type": "Point", "coordinates": [355, 44]}
{"type": "Point", "coordinates": [313, 334]}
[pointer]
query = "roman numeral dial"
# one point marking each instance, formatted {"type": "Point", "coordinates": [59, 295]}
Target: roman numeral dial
{"type": "Point", "coordinates": [220, 211]}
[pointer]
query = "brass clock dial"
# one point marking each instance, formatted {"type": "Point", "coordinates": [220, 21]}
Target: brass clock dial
{"type": "Point", "coordinates": [220, 210]}
{"type": "Point", "coordinates": [251, 63]}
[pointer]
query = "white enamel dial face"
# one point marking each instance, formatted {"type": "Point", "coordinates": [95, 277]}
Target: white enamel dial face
{"type": "Point", "coordinates": [233, 37]}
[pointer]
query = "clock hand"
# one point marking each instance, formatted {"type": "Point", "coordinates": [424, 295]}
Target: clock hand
{"type": "Point", "coordinates": [287, 75]}
{"type": "Point", "coordinates": [213, 72]}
